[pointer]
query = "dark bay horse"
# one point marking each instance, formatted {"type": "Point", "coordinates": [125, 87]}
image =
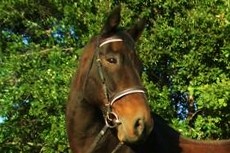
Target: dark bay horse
{"type": "Point", "coordinates": [107, 96]}
{"type": "Point", "coordinates": [107, 110]}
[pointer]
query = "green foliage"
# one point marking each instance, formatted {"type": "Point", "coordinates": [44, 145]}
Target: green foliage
{"type": "Point", "coordinates": [33, 94]}
{"type": "Point", "coordinates": [184, 49]}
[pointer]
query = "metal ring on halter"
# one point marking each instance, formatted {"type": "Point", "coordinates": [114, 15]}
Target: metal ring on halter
{"type": "Point", "coordinates": [112, 120]}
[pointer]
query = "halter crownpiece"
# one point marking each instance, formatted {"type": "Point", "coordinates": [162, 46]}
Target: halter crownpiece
{"type": "Point", "coordinates": [109, 40]}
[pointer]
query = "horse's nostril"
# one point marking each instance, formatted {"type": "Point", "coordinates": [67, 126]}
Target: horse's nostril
{"type": "Point", "coordinates": [139, 126]}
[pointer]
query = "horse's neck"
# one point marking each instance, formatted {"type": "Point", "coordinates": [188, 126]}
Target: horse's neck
{"type": "Point", "coordinates": [84, 123]}
{"type": "Point", "coordinates": [88, 119]}
{"type": "Point", "coordinates": [166, 140]}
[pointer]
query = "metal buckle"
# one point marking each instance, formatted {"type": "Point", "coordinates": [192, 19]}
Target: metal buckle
{"type": "Point", "coordinates": [112, 120]}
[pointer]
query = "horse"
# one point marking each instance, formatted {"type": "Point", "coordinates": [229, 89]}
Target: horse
{"type": "Point", "coordinates": [107, 109]}
{"type": "Point", "coordinates": [107, 101]}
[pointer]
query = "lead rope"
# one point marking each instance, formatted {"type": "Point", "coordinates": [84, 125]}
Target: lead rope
{"type": "Point", "coordinates": [97, 139]}
{"type": "Point", "coordinates": [117, 147]}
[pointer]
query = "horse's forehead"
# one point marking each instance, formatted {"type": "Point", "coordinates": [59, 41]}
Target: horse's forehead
{"type": "Point", "coordinates": [118, 41]}
{"type": "Point", "coordinates": [117, 46]}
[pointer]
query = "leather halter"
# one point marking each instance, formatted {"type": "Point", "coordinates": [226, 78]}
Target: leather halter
{"type": "Point", "coordinates": [111, 118]}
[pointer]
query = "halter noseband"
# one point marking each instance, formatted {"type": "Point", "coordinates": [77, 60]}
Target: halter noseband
{"type": "Point", "coordinates": [111, 118]}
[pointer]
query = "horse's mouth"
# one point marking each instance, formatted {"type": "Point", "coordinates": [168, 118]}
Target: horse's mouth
{"type": "Point", "coordinates": [134, 135]}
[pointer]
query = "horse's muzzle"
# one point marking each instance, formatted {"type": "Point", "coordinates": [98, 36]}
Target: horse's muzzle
{"type": "Point", "coordinates": [135, 118]}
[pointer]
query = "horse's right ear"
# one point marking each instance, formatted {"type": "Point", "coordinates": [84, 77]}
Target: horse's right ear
{"type": "Point", "coordinates": [112, 21]}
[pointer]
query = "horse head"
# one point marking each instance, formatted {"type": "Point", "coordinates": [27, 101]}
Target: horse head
{"type": "Point", "coordinates": [113, 81]}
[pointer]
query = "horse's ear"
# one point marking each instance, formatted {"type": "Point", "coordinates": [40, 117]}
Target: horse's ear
{"type": "Point", "coordinates": [136, 30]}
{"type": "Point", "coordinates": [112, 21]}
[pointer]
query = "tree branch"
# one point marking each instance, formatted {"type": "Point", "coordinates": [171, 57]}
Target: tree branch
{"type": "Point", "coordinates": [46, 50]}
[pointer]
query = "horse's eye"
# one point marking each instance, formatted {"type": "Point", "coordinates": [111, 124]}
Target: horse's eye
{"type": "Point", "coordinates": [112, 60]}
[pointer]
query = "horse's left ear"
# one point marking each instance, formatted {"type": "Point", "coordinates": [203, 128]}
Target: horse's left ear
{"type": "Point", "coordinates": [136, 30]}
{"type": "Point", "coordinates": [112, 21]}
